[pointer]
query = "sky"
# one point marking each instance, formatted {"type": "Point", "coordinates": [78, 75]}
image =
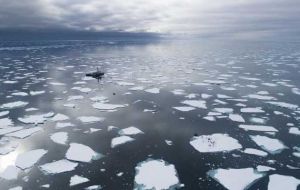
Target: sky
{"type": "Point", "coordinates": [248, 19]}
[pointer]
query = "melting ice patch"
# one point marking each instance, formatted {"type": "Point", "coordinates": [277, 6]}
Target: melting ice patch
{"type": "Point", "coordinates": [155, 174]}
{"type": "Point", "coordinates": [58, 167]}
{"type": "Point", "coordinates": [195, 103]}
{"type": "Point", "coordinates": [120, 140]}
{"type": "Point", "coordinates": [59, 137]}
{"type": "Point", "coordinates": [81, 153]}
{"type": "Point", "coordinates": [28, 159]}
{"type": "Point", "coordinates": [130, 131]}
{"type": "Point", "coordinates": [228, 177]}
{"type": "Point", "coordinates": [90, 119]}
{"type": "Point", "coordinates": [271, 145]}
{"type": "Point", "coordinates": [279, 182]}
{"type": "Point", "coordinates": [215, 143]}
{"type": "Point", "coordinates": [12, 105]}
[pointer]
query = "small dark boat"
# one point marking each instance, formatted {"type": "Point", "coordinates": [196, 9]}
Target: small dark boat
{"type": "Point", "coordinates": [96, 75]}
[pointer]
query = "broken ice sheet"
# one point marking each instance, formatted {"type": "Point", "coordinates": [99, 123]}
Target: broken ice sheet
{"type": "Point", "coordinates": [271, 145]}
{"type": "Point", "coordinates": [35, 119]}
{"type": "Point", "coordinates": [155, 174]}
{"type": "Point", "coordinates": [60, 117]}
{"type": "Point", "coordinates": [215, 143]}
{"type": "Point", "coordinates": [59, 137]}
{"type": "Point", "coordinates": [279, 182]}
{"type": "Point", "coordinates": [195, 103]}
{"type": "Point", "coordinates": [81, 153]}
{"type": "Point", "coordinates": [29, 158]}
{"type": "Point", "coordinates": [76, 179]}
{"type": "Point", "coordinates": [120, 140]}
{"type": "Point", "coordinates": [24, 132]}
{"type": "Point", "coordinates": [228, 177]}
{"type": "Point", "coordinates": [12, 105]}
{"type": "Point", "coordinates": [130, 131]}
{"type": "Point", "coordinates": [10, 173]}
{"type": "Point", "coordinates": [258, 128]}
{"type": "Point", "coordinates": [236, 117]}
{"type": "Point", "coordinates": [90, 119]}
{"type": "Point", "coordinates": [59, 166]}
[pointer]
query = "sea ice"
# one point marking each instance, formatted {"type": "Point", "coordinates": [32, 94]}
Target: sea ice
{"type": "Point", "coordinates": [81, 153]}
{"type": "Point", "coordinates": [153, 90]}
{"type": "Point", "coordinates": [28, 159]}
{"type": "Point", "coordinates": [6, 122]}
{"type": "Point", "coordinates": [105, 106]}
{"type": "Point", "coordinates": [215, 143]}
{"type": "Point", "coordinates": [120, 140]}
{"type": "Point", "coordinates": [195, 103]}
{"type": "Point", "coordinates": [130, 131]}
{"type": "Point", "coordinates": [58, 166]}
{"type": "Point", "coordinates": [236, 117]}
{"type": "Point", "coordinates": [24, 132]}
{"type": "Point", "coordinates": [90, 119]}
{"type": "Point", "coordinates": [10, 173]}
{"type": "Point", "coordinates": [184, 108]}
{"type": "Point", "coordinates": [59, 137]}
{"type": "Point", "coordinates": [271, 145]}
{"type": "Point", "coordinates": [258, 128]}
{"type": "Point", "coordinates": [279, 182]}
{"type": "Point", "coordinates": [12, 105]}
{"type": "Point", "coordinates": [155, 174]}
{"type": "Point", "coordinates": [228, 177]}
{"type": "Point", "coordinates": [252, 110]}
{"type": "Point", "coordinates": [76, 179]}
{"type": "Point", "coordinates": [255, 152]}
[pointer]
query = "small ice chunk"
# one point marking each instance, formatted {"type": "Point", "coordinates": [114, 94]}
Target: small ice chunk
{"type": "Point", "coordinates": [90, 119]}
{"type": "Point", "coordinates": [148, 175]}
{"type": "Point", "coordinates": [81, 153]}
{"type": "Point", "coordinates": [58, 166]}
{"type": "Point", "coordinates": [255, 152]}
{"type": "Point", "coordinates": [224, 110]}
{"type": "Point", "coordinates": [236, 117]}
{"type": "Point", "coordinates": [153, 90]}
{"type": "Point", "coordinates": [258, 128]}
{"type": "Point", "coordinates": [184, 108]}
{"type": "Point", "coordinates": [28, 159]}
{"type": "Point", "coordinates": [12, 105]}
{"type": "Point", "coordinates": [261, 168]}
{"type": "Point", "coordinates": [105, 106]}
{"type": "Point", "coordinates": [59, 137]}
{"type": "Point", "coordinates": [279, 182]}
{"type": "Point", "coordinates": [130, 131]}
{"type": "Point", "coordinates": [195, 103]}
{"type": "Point", "coordinates": [294, 130]}
{"type": "Point", "coordinates": [252, 110]}
{"type": "Point", "coordinates": [76, 179]}
{"type": "Point", "coordinates": [271, 145]}
{"type": "Point", "coordinates": [120, 140]}
{"type": "Point", "coordinates": [93, 187]}
{"type": "Point", "coordinates": [64, 124]}
{"type": "Point", "coordinates": [34, 93]}
{"type": "Point", "coordinates": [215, 143]}
{"type": "Point", "coordinates": [60, 117]}
{"type": "Point", "coordinates": [227, 177]}
{"type": "Point", "coordinates": [121, 83]}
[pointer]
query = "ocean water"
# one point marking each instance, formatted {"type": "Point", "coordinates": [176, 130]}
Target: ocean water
{"type": "Point", "coordinates": [197, 114]}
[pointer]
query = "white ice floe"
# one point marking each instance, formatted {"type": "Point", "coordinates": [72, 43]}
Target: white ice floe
{"type": "Point", "coordinates": [59, 137]}
{"type": "Point", "coordinates": [81, 89]}
{"type": "Point", "coordinates": [228, 177]}
{"type": "Point", "coordinates": [60, 117]}
{"type": "Point", "coordinates": [35, 119]}
{"type": "Point", "coordinates": [130, 131]}
{"type": "Point", "coordinates": [28, 159]}
{"type": "Point", "coordinates": [215, 143]}
{"type": "Point", "coordinates": [24, 132]}
{"type": "Point", "coordinates": [57, 83]}
{"type": "Point", "coordinates": [195, 103]}
{"type": "Point", "coordinates": [58, 166]}
{"type": "Point", "coordinates": [125, 83]}
{"type": "Point", "coordinates": [261, 97]}
{"type": "Point", "coordinates": [64, 124]}
{"type": "Point", "coordinates": [10, 173]}
{"type": "Point", "coordinates": [90, 119]}
{"type": "Point", "coordinates": [120, 140]}
{"type": "Point", "coordinates": [255, 152]}
{"type": "Point", "coordinates": [105, 106]}
{"type": "Point", "coordinates": [6, 122]}
{"type": "Point", "coordinates": [9, 130]}
{"type": "Point", "coordinates": [252, 110]}
{"type": "Point", "coordinates": [19, 94]}
{"type": "Point", "coordinates": [93, 187]}
{"type": "Point", "coordinates": [153, 90]}
{"type": "Point", "coordinates": [12, 105]}
{"type": "Point", "coordinates": [99, 99]}
{"type": "Point", "coordinates": [3, 113]}
{"type": "Point", "coordinates": [257, 120]}
{"type": "Point", "coordinates": [34, 93]}
{"type": "Point", "coordinates": [136, 88]}
{"type": "Point", "coordinates": [16, 188]}
{"type": "Point", "coordinates": [279, 182]}
{"type": "Point", "coordinates": [70, 98]}
{"type": "Point", "coordinates": [224, 110]}
{"type": "Point", "coordinates": [215, 81]}
{"type": "Point", "coordinates": [271, 145]}
{"type": "Point", "coordinates": [284, 105]}
{"type": "Point", "coordinates": [261, 168]}
{"type": "Point", "coordinates": [76, 179]}
{"type": "Point", "coordinates": [236, 117]}
{"type": "Point", "coordinates": [81, 153]}
{"type": "Point", "coordinates": [258, 128]}
{"type": "Point", "coordinates": [184, 108]}
{"type": "Point", "coordinates": [155, 174]}
{"type": "Point", "coordinates": [296, 91]}
{"type": "Point", "coordinates": [294, 130]}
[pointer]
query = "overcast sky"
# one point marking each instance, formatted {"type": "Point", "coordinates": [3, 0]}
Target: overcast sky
{"type": "Point", "coordinates": [236, 18]}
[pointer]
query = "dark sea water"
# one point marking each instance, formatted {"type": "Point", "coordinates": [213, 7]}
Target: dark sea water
{"type": "Point", "coordinates": [177, 94]}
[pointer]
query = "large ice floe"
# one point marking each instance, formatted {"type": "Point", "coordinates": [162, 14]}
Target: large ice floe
{"type": "Point", "coordinates": [236, 179]}
{"type": "Point", "coordinates": [215, 143]}
{"type": "Point", "coordinates": [271, 145]}
{"type": "Point", "coordinates": [279, 182]}
{"type": "Point", "coordinates": [12, 105]}
{"type": "Point", "coordinates": [28, 159]}
{"type": "Point", "coordinates": [258, 128]}
{"type": "Point", "coordinates": [81, 153]}
{"type": "Point", "coordinates": [155, 174]}
{"type": "Point", "coordinates": [59, 137]}
{"type": "Point", "coordinates": [59, 166]}
{"type": "Point", "coordinates": [76, 180]}
{"type": "Point", "coordinates": [130, 131]}
{"type": "Point", "coordinates": [120, 140]}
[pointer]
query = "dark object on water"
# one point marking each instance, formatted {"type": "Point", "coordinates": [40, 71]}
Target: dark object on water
{"type": "Point", "coordinates": [96, 75]}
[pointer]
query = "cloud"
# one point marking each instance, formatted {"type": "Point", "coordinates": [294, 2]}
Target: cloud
{"type": "Point", "coordinates": [240, 18]}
